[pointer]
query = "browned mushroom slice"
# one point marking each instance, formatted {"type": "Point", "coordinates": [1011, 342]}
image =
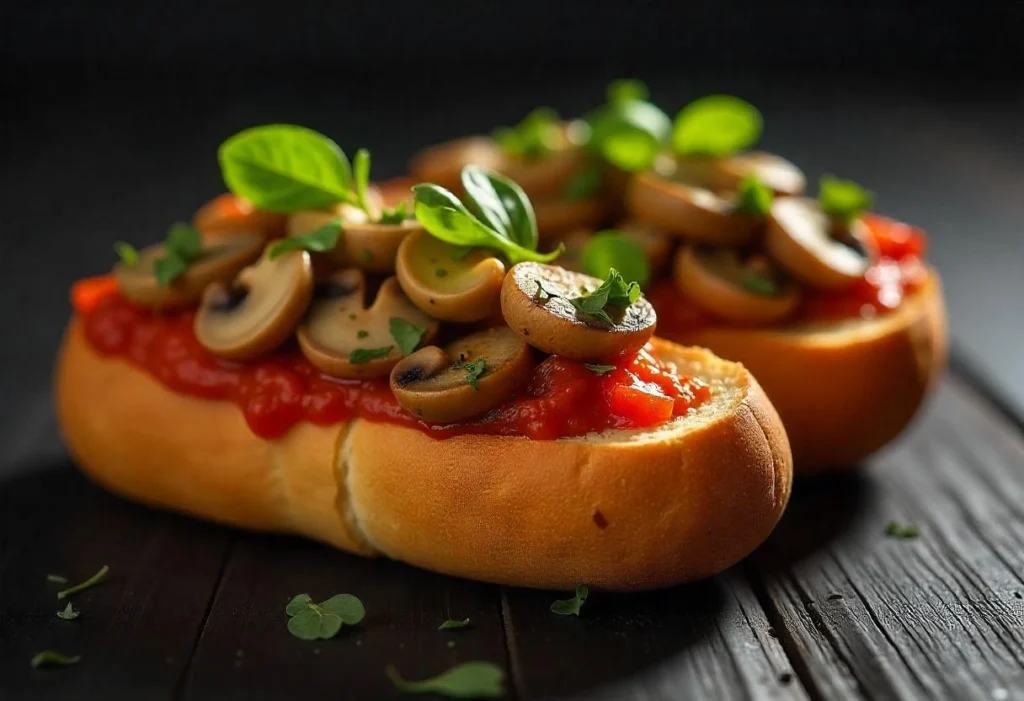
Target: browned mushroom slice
{"type": "Point", "coordinates": [229, 215]}
{"type": "Point", "coordinates": [470, 376]}
{"type": "Point", "coordinates": [725, 173]}
{"type": "Point", "coordinates": [548, 176]}
{"type": "Point", "coordinates": [364, 244]}
{"type": "Point", "coordinates": [809, 245]}
{"type": "Point", "coordinates": [343, 338]}
{"type": "Point", "coordinates": [697, 214]}
{"type": "Point", "coordinates": [258, 310]}
{"type": "Point", "coordinates": [442, 164]}
{"type": "Point", "coordinates": [743, 291]}
{"type": "Point", "coordinates": [557, 216]}
{"type": "Point", "coordinates": [221, 259]}
{"type": "Point", "coordinates": [657, 246]}
{"type": "Point", "coordinates": [448, 285]}
{"type": "Point", "coordinates": [535, 300]}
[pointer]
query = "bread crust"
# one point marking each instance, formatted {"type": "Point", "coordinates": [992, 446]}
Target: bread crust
{"type": "Point", "coordinates": [626, 510]}
{"type": "Point", "coordinates": [844, 389]}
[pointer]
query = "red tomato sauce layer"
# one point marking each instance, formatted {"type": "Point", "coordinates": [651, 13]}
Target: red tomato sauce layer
{"type": "Point", "coordinates": [562, 398]}
{"type": "Point", "coordinates": [898, 272]}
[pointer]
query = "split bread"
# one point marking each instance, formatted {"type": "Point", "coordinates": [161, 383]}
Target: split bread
{"type": "Point", "coordinates": [622, 510]}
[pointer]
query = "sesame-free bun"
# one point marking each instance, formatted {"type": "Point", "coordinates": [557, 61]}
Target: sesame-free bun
{"type": "Point", "coordinates": [846, 388]}
{"type": "Point", "coordinates": [622, 510]}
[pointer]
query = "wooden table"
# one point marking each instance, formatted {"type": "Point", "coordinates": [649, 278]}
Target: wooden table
{"type": "Point", "coordinates": [829, 608]}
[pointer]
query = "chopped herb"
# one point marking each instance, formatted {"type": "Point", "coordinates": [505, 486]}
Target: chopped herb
{"type": "Point", "coordinates": [127, 253]}
{"type": "Point", "coordinates": [896, 529]}
{"type": "Point", "coordinates": [183, 245]}
{"type": "Point", "coordinates": [92, 581]}
{"type": "Point", "coordinates": [545, 292]}
{"type": "Point", "coordinates": [366, 255]}
{"type": "Point", "coordinates": [473, 372]}
{"type": "Point", "coordinates": [469, 680]}
{"type": "Point", "coordinates": [571, 607]}
{"type": "Point", "coordinates": [310, 621]}
{"type": "Point", "coordinates": [56, 579]}
{"type": "Point", "coordinates": [534, 137]}
{"type": "Point", "coordinates": [361, 356]}
{"type": "Point", "coordinates": [51, 658]}
{"type": "Point", "coordinates": [753, 196]}
{"type": "Point", "coordinates": [441, 272]}
{"type": "Point", "coordinates": [584, 184]}
{"type": "Point", "coordinates": [69, 613]}
{"type": "Point", "coordinates": [758, 283]}
{"type": "Point", "coordinates": [406, 334]}
{"type": "Point", "coordinates": [613, 292]}
{"type": "Point", "coordinates": [361, 175]}
{"type": "Point", "coordinates": [353, 316]}
{"type": "Point", "coordinates": [843, 200]}
{"type": "Point", "coordinates": [599, 369]}
{"type": "Point", "coordinates": [395, 215]}
{"type": "Point", "coordinates": [452, 624]}
{"type": "Point", "coordinates": [362, 334]}
{"type": "Point", "coordinates": [320, 240]}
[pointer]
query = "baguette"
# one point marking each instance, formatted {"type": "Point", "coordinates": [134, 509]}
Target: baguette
{"type": "Point", "coordinates": [622, 510]}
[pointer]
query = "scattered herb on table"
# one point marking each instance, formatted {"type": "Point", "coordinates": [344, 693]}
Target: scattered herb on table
{"type": "Point", "coordinates": [310, 621]}
{"type": "Point", "coordinates": [469, 680]}
{"type": "Point", "coordinates": [92, 581]}
{"type": "Point", "coordinates": [56, 579]}
{"type": "Point", "coordinates": [453, 624]}
{"type": "Point", "coordinates": [51, 658]}
{"type": "Point", "coordinates": [571, 607]}
{"type": "Point", "coordinates": [69, 613]}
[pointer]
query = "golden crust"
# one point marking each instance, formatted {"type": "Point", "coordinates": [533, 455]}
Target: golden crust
{"type": "Point", "coordinates": [844, 389]}
{"type": "Point", "coordinates": [620, 510]}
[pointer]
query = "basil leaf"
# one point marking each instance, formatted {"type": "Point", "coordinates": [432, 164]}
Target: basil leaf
{"type": "Point", "coordinates": [753, 196]}
{"type": "Point", "coordinates": [469, 680]}
{"type": "Point", "coordinates": [320, 240]}
{"type": "Point", "coordinates": [51, 658]}
{"type": "Point", "coordinates": [571, 607]}
{"type": "Point", "coordinates": [364, 355]}
{"type": "Point", "coordinates": [628, 132]}
{"type": "Point", "coordinates": [406, 334]}
{"type": "Point", "coordinates": [584, 184]}
{"type": "Point", "coordinates": [91, 582]}
{"type": "Point", "coordinates": [502, 205]}
{"type": "Point", "coordinates": [474, 371]}
{"type": "Point", "coordinates": [185, 241]}
{"type": "Point", "coordinates": [599, 369]}
{"type": "Point", "coordinates": [843, 200]}
{"type": "Point", "coordinates": [446, 218]}
{"type": "Point", "coordinates": [361, 171]}
{"type": "Point", "coordinates": [127, 253]}
{"type": "Point", "coordinates": [396, 215]}
{"type": "Point", "coordinates": [453, 625]}
{"type": "Point", "coordinates": [612, 249]}
{"type": "Point", "coordinates": [534, 137]}
{"type": "Point", "coordinates": [285, 168]}
{"type": "Point", "coordinates": [716, 125]}
{"type": "Point", "coordinates": [626, 89]}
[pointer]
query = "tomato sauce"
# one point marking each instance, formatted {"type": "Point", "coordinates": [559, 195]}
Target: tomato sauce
{"type": "Point", "coordinates": [898, 272]}
{"type": "Point", "coordinates": [562, 398]}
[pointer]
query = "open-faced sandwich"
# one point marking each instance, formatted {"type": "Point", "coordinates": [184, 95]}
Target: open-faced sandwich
{"type": "Point", "coordinates": [831, 307]}
{"type": "Point", "coordinates": [415, 381]}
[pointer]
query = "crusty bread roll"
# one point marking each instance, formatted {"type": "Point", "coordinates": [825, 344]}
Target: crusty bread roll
{"type": "Point", "coordinates": [624, 510]}
{"type": "Point", "coordinates": [843, 389]}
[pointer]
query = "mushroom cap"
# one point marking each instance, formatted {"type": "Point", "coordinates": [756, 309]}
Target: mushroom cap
{"type": "Point", "coordinates": [550, 323]}
{"type": "Point", "coordinates": [433, 384]}
{"type": "Point", "coordinates": [338, 324]}
{"type": "Point", "coordinates": [443, 163]}
{"type": "Point", "coordinates": [724, 173]}
{"type": "Point", "coordinates": [259, 310]}
{"type": "Point", "coordinates": [799, 236]}
{"type": "Point", "coordinates": [714, 279]}
{"type": "Point", "coordinates": [229, 215]}
{"type": "Point", "coordinates": [221, 259]}
{"type": "Point", "coordinates": [694, 213]}
{"type": "Point", "coordinates": [446, 287]}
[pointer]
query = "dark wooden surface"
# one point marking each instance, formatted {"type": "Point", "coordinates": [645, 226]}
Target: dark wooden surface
{"type": "Point", "coordinates": [828, 608]}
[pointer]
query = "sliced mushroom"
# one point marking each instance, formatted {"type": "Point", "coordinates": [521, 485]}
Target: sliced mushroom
{"type": "Point", "coordinates": [363, 243]}
{"type": "Point", "coordinates": [448, 285]}
{"type": "Point", "coordinates": [548, 176]}
{"type": "Point", "coordinates": [535, 302]}
{"type": "Point", "coordinates": [697, 214]}
{"type": "Point", "coordinates": [442, 164]}
{"type": "Point", "coordinates": [725, 173]}
{"type": "Point", "coordinates": [221, 259]}
{"type": "Point", "coordinates": [748, 291]}
{"type": "Point", "coordinates": [230, 215]}
{"type": "Point", "coordinates": [657, 246]}
{"type": "Point", "coordinates": [810, 246]}
{"type": "Point", "coordinates": [470, 376]}
{"type": "Point", "coordinates": [343, 338]}
{"type": "Point", "coordinates": [557, 216]}
{"type": "Point", "coordinates": [258, 310]}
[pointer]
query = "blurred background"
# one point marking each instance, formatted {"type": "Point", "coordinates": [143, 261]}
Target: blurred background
{"type": "Point", "coordinates": [112, 113]}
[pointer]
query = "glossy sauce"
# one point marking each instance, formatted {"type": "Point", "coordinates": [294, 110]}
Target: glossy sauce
{"type": "Point", "coordinates": [562, 397]}
{"type": "Point", "coordinates": [898, 273]}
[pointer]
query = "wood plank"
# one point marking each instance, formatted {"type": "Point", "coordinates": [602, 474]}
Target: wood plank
{"type": "Point", "coordinates": [246, 651]}
{"type": "Point", "coordinates": [137, 629]}
{"type": "Point", "coordinates": [706, 640]}
{"type": "Point", "coordinates": [868, 616]}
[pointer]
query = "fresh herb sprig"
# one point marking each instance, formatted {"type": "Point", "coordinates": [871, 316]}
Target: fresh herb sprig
{"type": "Point", "coordinates": [469, 680]}
{"type": "Point", "coordinates": [534, 137]}
{"type": "Point", "coordinates": [501, 219]}
{"type": "Point", "coordinates": [91, 582]}
{"type": "Point", "coordinates": [753, 196]}
{"type": "Point", "coordinates": [474, 371]}
{"type": "Point", "coordinates": [843, 200]}
{"type": "Point", "coordinates": [571, 607]}
{"type": "Point", "coordinates": [310, 621]}
{"type": "Point", "coordinates": [183, 245]}
{"type": "Point", "coordinates": [614, 292]}
{"type": "Point", "coordinates": [628, 130]}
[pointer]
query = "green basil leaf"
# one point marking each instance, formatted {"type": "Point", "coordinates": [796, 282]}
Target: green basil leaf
{"type": "Point", "coordinates": [185, 241]}
{"type": "Point", "coordinates": [598, 369]}
{"type": "Point", "coordinates": [626, 89]}
{"type": "Point", "coordinates": [346, 607]}
{"type": "Point", "coordinates": [127, 253]}
{"type": "Point", "coordinates": [406, 334]}
{"type": "Point", "coordinates": [502, 205]}
{"type": "Point", "coordinates": [534, 137]}
{"type": "Point", "coordinates": [453, 625]}
{"type": "Point", "coordinates": [361, 172]}
{"type": "Point", "coordinates": [612, 249]}
{"type": "Point", "coordinates": [395, 215]}
{"type": "Point", "coordinates": [298, 604]}
{"type": "Point", "coordinates": [629, 133]}
{"type": "Point", "coordinates": [51, 658]}
{"type": "Point", "coordinates": [759, 284]}
{"type": "Point", "coordinates": [469, 680]}
{"type": "Point", "coordinates": [364, 355]}
{"type": "Point", "coordinates": [168, 269]}
{"type": "Point", "coordinates": [320, 240]}
{"type": "Point", "coordinates": [843, 200]}
{"type": "Point", "coordinates": [571, 607]}
{"type": "Point", "coordinates": [305, 625]}
{"type": "Point", "coordinates": [716, 125]}
{"type": "Point", "coordinates": [753, 196]}
{"type": "Point", "coordinates": [584, 184]}
{"type": "Point", "coordinates": [69, 613]}
{"type": "Point", "coordinates": [285, 168]}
